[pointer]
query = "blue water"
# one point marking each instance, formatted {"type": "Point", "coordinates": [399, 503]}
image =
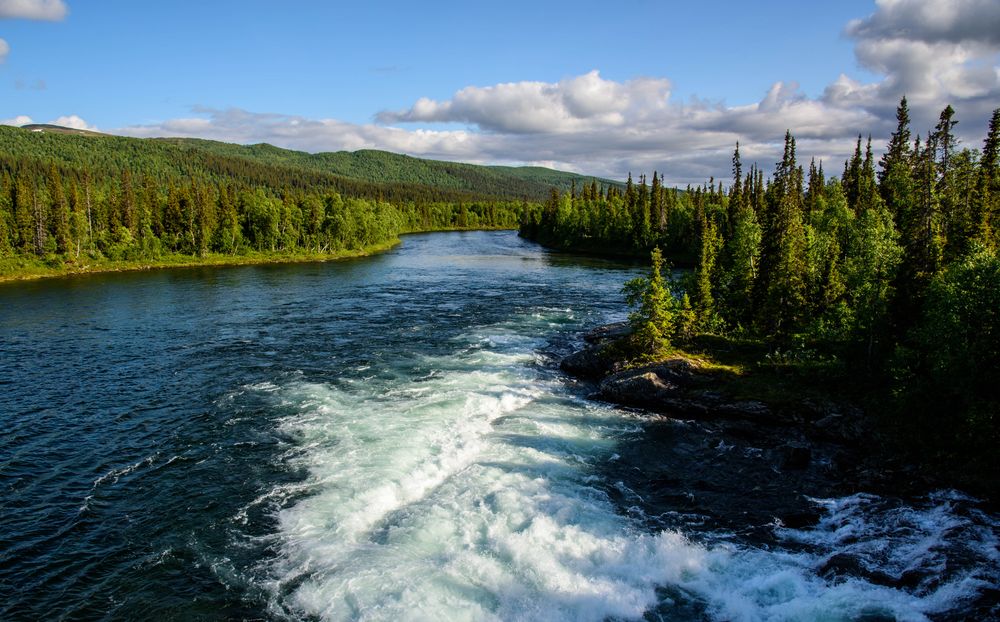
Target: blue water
{"type": "Point", "coordinates": [383, 438]}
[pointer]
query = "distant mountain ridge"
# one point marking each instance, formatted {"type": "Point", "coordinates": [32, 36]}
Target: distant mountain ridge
{"type": "Point", "coordinates": [372, 167]}
{"type": "Point", "coordinates": [59, 129]}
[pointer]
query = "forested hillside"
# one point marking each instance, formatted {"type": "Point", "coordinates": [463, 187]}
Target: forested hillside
{"type": "Point", "coordinates": [382, 167]}
{"type": "Point", "coordinates": [360, 173]}
{"type": "Point", "coordinates": [69, 200]}
{"type": "Point", "coordinates": [887, 276]}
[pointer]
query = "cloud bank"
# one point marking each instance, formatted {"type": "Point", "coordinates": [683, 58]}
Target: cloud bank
{"type": "Point", "coordinates": [71, 121]}
{"type": "Point", "coordinates": [44, 10]}
{"type": "Point", "coordinates": [936, 52]}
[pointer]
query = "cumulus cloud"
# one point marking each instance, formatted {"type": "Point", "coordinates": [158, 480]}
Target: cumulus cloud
{"type": "Point", "coordinates": [4, 50]}
{"type": "Point", "coordinates": [936, 52]}
{"type": "Point", "coordinates": [45, 10]}
{"type": "Point", "coordinates": [71, 121]}
{"type": "Point", "coordinates": [18, 120]}
{"type": "Point", "coordinates": [572, 104]}
{"type": "Point", "coordinates": [937, 21]}
{"type": "Point", "coordinates": [75, 122]}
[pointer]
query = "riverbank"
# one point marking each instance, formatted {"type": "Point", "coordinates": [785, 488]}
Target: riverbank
{"type": "Point", "coordinates": [26, 268]}
{"type": "Point", "coordinates": [812, 418]}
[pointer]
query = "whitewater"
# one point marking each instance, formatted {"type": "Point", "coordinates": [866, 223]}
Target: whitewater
{"type": "Point", "coordinates": [391, 438]}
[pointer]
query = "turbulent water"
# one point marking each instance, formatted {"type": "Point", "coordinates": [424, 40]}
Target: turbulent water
{"type": "Point", "coordinates": [390, 439]}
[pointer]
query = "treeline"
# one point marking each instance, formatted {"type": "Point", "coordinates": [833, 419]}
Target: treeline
{"type": "Point", "coordinates": [892, 266]}
{"type": "Point", "coordinates": [621, 221]}
{"type": "Point", "coordinates": [67, 214]}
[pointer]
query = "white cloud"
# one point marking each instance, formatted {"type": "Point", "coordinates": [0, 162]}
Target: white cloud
{"type": "Point", "coordinates": [4, 50]}
{"type": "Point", "coordinates": [932, 21]}
{"type": "Point", "coordinates": [45, 10]}
{"type": "Point", "coordinates": [18, 120]}
{"type": "Point", "coordinates": [936, 52]}
{"type": "Point", "coordinates": [572, 104]}
{"type": "Point", "coordinates": [75, 122]}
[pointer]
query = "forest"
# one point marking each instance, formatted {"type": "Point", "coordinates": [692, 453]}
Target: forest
{"type": "Point", "coordinates": [70, 201]}
{"type": "Point", "coordinates": [886, 276]}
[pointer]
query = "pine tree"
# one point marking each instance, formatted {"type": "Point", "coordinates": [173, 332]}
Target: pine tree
{"type": "Point", "coordinates": [987, 209]}
{"type": "Point", "coordinates": [6, 215]}
{"type": "Point", "coordinates": [896, 174]}
{"type": "Point", "coordinates": [851, 180]}
{"type": "Point", "coordinates": [653, 321]}
{"type": "Point", "coordinates": [868, 197]}
{"type": "Point", "coordinates": [24, 214]}
{"type": "Point", "coordinates": [735, 194]}
{"type": "Point", "coordinates": [656, 206]}
{"type": "Point", "coordinates": [58, 212]}
{"type": "Point", "coordinates": [815, 187]}
{"type": "Point", "coordinates": [78, 218]}
{"type": "Point", "coordinates": [704, 302]}
{"type": "Point", "coordinates": [945, 144]}
{"type": "Point", "coordinates": [781, 288]}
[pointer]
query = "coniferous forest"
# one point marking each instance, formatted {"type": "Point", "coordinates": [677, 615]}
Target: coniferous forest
{"type": "Point", "coordinates": [72, 202]}
{"type": "Point", "coordinates": [888, 274]}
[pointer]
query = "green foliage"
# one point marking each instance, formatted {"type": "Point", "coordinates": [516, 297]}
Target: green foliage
{"type": "Point", "coordinates": [367, 173]}
{"type": "Point", "coordinates": [959, 338]}
{"type": "Point", "coordinates": [73, 198]}
{"type": "Point", "coordinates": [653, 320]}
{"type": "Point", "coordinates": [870, 270]}
{"type": "Point", "coordinates": [893, 274]}
{"type": "Point", "coordinates": [947, 376]}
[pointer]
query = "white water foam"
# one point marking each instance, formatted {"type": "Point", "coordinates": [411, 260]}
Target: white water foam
{"type": "Point", "coordinates": [468, 494]}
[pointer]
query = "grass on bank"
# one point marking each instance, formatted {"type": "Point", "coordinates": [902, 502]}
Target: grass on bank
{"type": "Point", "coordinates": [19, 268]}
{"type": "Point", "coordinates": [28, 267]}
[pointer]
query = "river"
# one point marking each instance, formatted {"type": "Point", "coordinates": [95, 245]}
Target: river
{"type": "Point", "coordinates": [390, 438]}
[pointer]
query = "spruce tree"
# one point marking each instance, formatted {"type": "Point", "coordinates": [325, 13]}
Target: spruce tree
{"type": "Point", "coordinates": [58, 212]}
{"type": "Point", "coordinates": [781, 288]}
{"type": "Point", "coordinates": [653, 321]}
{"type": "Point", "coordinates": [987, 210]}
{"type": "Point", "coordinates": [896, 185]}
{"type": "Point", "coordinates": [851, 179]}
{"type": "Point", "coordinates": [735, 193]}
{"type": "Point", "coordinates": [945, 144]}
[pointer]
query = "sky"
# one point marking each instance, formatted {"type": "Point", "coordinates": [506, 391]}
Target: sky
{"type": "Point", "coordinates": [599, 88]}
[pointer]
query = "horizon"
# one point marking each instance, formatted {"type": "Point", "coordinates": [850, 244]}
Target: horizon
{"type": "Point", "coordinates": [560, 91]}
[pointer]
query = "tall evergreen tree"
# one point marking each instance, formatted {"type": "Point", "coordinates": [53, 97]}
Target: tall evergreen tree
{"type": "Point", "coordinates": [987, 211]}
{"type": "Point", "coordinates": [781, 287]}
{"type": "Point", "coordinates": [735, 193]}
{"type": "Point", "coordinates": [851, 179]}
{"type": "Point", "coordinates": [896, 185]}
{"type": "Point", "coordinates": [58, 212]}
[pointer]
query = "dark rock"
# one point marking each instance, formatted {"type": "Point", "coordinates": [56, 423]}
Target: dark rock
{"type": "Point", "coordinates": [608, 332]}
{"type": "Point", "coordinates": [795, 457]}
{"type": "Point", "coordinates": [636, 388]}
{"type": "Point", "coordinates": [746, 409]}
{"type": "Point", "coordinates": [847, 426]}
{"type": "Point", "coordinates": [591, 363]}
{"type": "Point", "coordinates": [676, 388]}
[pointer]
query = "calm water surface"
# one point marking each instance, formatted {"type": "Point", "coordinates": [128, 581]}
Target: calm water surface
{"type": "Point", "coordinates": [380, 439]}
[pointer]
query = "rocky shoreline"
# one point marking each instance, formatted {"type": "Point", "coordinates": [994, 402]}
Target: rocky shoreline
{"type": "Point", "coordinates": [721, 457]}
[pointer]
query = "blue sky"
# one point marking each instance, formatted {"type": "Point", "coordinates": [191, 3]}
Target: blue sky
{"type": "Point", "coordinates": [597, 87]}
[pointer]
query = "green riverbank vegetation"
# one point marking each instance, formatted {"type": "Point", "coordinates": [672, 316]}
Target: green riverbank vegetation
{"type": "Point", "coordinates": [73, 204]}
{"type": "Point", "coordinates": [882, 285]}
